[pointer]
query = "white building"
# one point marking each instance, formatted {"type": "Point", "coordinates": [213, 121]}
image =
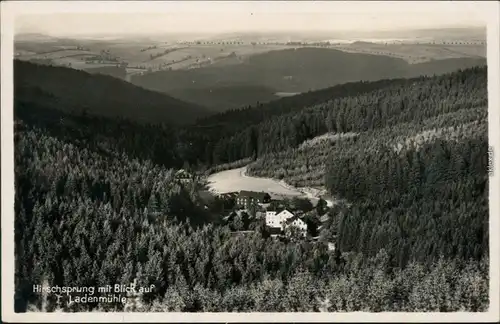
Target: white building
{"type": "Point", "coordinates": [274, 219]}
{"type": "Point", "coordinates": [297, 223]}
{"type": "Point", "coordinates": [284, 219]}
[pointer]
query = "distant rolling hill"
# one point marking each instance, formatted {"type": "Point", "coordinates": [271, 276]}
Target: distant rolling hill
{"type": "Point", "coordinates": [291, 70]}
{"type": "Point", "coordinates": [77, 91]}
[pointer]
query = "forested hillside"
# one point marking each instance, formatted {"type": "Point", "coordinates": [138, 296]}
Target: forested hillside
{"type": "Point", "coordinates": [223, 98]}
{"type": "Point", "coordinates": [72, 90]}
{"type": "Point", "coordinates": [291, 70]}
{"type": "Point", "coordinates": [97, 204]}
{"type": "Point", "coordinates": [414, 164]}
{"type": "Point", "coordinates": [355, 107]}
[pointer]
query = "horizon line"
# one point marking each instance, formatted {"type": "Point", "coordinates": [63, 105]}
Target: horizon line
{"type": "Point", "coordinates": [257, 31]}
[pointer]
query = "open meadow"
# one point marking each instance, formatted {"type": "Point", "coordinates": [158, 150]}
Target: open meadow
{"type": "Point", "coordinates": [236, 180]}
{"type": "Point", "coordinates": [417, 53]}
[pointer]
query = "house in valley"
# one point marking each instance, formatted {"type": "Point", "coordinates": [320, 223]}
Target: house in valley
{"type": "Point", "coordinates": [245, 198]}
{"type": "Point", "coordinates": [283, 220]}
{"type": "Point", "coordinates": [183, 176]}
{"type": "Point", "coordinates": [228, 195]}
{"type": "Point", "coordinates": [275, 219]}
{"type": "Point", "coordinates": [296, 222]}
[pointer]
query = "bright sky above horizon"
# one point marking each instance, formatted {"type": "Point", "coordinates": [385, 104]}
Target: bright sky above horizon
{"type": "Point", "coordinates": [100, 17]}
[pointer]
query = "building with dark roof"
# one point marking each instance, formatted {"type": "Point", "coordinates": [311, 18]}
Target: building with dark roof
{"type": "Point", "coordinates": [274, 231]}
{"type": "Point", "coordinates": [295, 221]}
{"type": "Point", "coordinates": [245, 198]}
{"type": "Point", "coordinates": [183, 175]}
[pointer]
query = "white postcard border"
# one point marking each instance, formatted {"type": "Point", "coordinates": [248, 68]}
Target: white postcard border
{"type": "Point", "coordinates": [11, 8]}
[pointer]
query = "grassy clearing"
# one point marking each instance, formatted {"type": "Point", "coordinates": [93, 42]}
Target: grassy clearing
{"type": "Point", "coordinates": [453, 133]}
{"type": "Point", "coordinates": [328, 137]}
{"type": "Point", "coordinates": [236, 180]}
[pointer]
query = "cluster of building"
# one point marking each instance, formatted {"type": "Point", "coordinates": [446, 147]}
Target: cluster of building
{"type": "Point", "coordinates": [277, 223]}
{"type": "Point", "coordinates": [280, 222]}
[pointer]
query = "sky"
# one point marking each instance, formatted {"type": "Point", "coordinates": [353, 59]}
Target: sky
{"type": "Point", "coordinates": [129, 17]}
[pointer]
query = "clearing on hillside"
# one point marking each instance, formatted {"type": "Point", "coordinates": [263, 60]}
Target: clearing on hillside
{"type": "Point", "coordinates": [236, 180]}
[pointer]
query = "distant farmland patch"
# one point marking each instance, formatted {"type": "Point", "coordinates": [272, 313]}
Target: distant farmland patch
{"type": "Point", "coordinates": [286, 94]}
{"type": "Point", "coordinates": [417, 53]}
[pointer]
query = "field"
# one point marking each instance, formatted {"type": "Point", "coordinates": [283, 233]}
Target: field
{"type": "Point", "coordinates": [417, 53]}
{"type": "Point", "coordinates": [154, 55]}
{"type": "Point", "coordinates": [77, 56]}
{"type": "Point", "coordinates": [140, 56]}
{"type": "Point", "coordinates": [236, 179]}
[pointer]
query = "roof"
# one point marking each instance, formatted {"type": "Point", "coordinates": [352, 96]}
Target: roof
{"type": "Point", "coordinates": [324, 218]}
{"type": "Point", "coordinates": [183, 173]}
{"type": "Point", "coordinates": [241, 232]}
{"type": "Point", "coordinates": [228, 194]}
{"type": "Point", "coordinates": [292, 219]}
{"type": "Point", "coordinates": [285, 211]}
{"type": "Point", "coordinates": [253, 194]}
{"type": "Point", "coordinates": [274, 230]}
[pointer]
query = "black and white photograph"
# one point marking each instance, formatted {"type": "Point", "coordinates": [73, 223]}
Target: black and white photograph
{"type": "Point", "coordinates": [250, 161]}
